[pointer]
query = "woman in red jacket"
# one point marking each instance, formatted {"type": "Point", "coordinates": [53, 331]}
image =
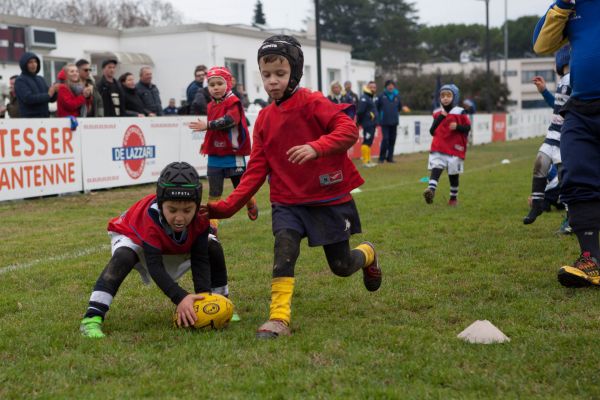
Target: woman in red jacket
{"type": "Point", "coordinates": [73, 98]}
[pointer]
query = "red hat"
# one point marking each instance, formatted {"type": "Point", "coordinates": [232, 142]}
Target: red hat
{"type": "Point", "coordinates": [220, 72]}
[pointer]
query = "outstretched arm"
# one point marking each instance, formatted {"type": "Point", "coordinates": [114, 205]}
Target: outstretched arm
{"type": "Point", "coordinates": [252, 180]}
{"type": "Point", "coordinates": [549, 34]}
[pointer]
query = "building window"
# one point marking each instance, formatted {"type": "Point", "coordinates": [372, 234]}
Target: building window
{"type": "Point", "coordinates": [333, 75]}
{"type": "Point", "coordinates": [547, 74]}
{"type": "Point", "coordinates": [510, 72]}
{"type": "Point", "coordinates": [12, 43]}
{"type": "Point", "coordinates": [238, 69]}
{"type": "Point", "coordinates": [51, 68]}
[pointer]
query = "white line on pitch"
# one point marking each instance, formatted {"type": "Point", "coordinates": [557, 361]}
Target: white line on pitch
{"type": "Point", "coordinates": [62, 257]}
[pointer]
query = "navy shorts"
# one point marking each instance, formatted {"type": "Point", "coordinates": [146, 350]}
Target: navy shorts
{"type": "Point", "coordinates": [322, 225]}
{"type": "Point", "coordinates": [216, 177]}
{"type": "Point", "coordinates": [225, 172]}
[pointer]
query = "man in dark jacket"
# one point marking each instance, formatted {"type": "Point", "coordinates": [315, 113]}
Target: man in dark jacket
{"type": "Point", "coordinates": [33, 93]}
{"type": "Point", "coordinates": [366, 116]}
{"type": "Point", "coordinates": [389, 105]}
{"type": "Point", "coordinates": [197, 83]}
{"type": "Point", "coordinates": [110, 91]}
{"type": "Point", "coordinates": [148, 92]}
{"type": "Point", "coordinates": [349, 96]}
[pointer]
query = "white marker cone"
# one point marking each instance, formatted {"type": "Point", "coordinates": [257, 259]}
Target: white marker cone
{"type": "Point", "coordinates": [483, 332]}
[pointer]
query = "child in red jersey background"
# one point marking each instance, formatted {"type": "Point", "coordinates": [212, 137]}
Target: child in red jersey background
{"type": "Point", "coordinates": [450, 129]}
{"type": "Point", "coordinates": [161, 236]}
{"type": "Point", "coordinates": [227, 140]}
{"type": "Point", "coordinates": [300, 141]}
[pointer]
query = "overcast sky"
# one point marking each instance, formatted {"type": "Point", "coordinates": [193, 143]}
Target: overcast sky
{"type": "Point", "coordinates": [291, 13]}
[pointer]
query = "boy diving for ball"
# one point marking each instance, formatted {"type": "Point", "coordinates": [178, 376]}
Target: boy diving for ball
{"type": "Point", "coordinates": [161, 236]}
{"type": "Point", "coordinates": [300, 141]}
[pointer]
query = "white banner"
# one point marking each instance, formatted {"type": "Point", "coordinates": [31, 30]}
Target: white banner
{"type": "Point", "coordinates": [41, 157]}
{"type": "Point", "coordinates": [38, 157]}
{"type": "Point", "coordinates": [127, 151]}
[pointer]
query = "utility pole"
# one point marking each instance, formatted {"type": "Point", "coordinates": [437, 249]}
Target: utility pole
{"type": "Point", "coordinates": [318, 43]}
{"type": "Point", "coordinates": [487, 36]}
{"type": "Point", "coordinates": [506, 41]}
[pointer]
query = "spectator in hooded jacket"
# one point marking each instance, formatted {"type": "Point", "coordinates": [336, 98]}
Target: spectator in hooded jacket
{"type": "Point", "coordinates": [134, 106]}
{"type": "Point", "coordinates": [110, 91]}
{"type": "Point", "coordinates": [33, 92]}
{"type": "Point", "coordinates": [148, 92]}
{"type": "Point", "coordinates": [74, 99]}
{"type": "Point", "coordinates": [389, 106]}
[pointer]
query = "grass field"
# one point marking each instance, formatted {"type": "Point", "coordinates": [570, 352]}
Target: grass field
{"type": "Point", "coordinates": [443, 269]}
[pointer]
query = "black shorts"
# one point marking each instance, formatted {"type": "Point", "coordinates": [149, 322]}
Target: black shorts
{"type": "Point", "coordinates": [225, 172]}
{"type": "Point", "coordinates": [322, 225]}
{"type": "Point", "coordinates": [216, 176]}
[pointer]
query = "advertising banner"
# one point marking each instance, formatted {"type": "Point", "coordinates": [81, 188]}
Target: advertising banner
{"type": "Point", "coordinates": [498, 127]}
{"type": "Point", "coordinates": [127, 151]}
{"type": "Point", "coordinates": [189, 145]}
{"type": "Point", "coordinates": [38, 157]}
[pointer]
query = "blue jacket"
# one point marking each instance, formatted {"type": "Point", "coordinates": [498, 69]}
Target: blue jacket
{"type": "Point", "coordinates": [191, 91]}
{"type": "Point", "coordinates": [389, 105]}
{"type": "Point", "coordinates": [32, 91]}
{"type": "Point", "coordinates": [150, 97]}
{"type": "Point", "coordinates": [578, 25]}
{"type": "Point", "coordinates": [366, 112]}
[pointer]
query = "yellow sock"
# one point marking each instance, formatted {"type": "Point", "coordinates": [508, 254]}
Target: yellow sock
{"type": "Point", "coordinates": [369, 154]}
{"type": "Point", "coordinates": [368, 252]}
{"type": "Point", "coordinates": [281, 298]}
{"type": "Point", "coordinates": [364, 149]}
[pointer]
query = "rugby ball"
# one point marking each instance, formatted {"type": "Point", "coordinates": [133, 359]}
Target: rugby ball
{"type": "Point", "coordinates": [213, 312]}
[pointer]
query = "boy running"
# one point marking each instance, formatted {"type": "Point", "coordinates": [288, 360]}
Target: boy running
{"type": "Point", "coordinates": [450, 129]}
{"type": "Point", "coordinates": [300, 141]}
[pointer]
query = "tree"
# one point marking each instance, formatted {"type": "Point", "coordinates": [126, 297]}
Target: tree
{"type": "Point", "coordinates": [259, 16]}
{"type": "Point", "coordinates": [520, 34]}
{"type": "Point", "coordinates": [106, 13]}
{"type": "Point", "coordinates": [380, 30]}
{"type": "Point", "coordinates": [417, 92]}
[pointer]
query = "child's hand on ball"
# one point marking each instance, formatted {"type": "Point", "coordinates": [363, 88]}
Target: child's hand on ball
{"type": "Point", "coordinates": [301, 154]}
{"type": "Point", "coordinates": [186, 316]}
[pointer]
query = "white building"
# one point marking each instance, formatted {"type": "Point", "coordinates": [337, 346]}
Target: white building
{"type": "Point", "coordinates": [172, 51]}
{"type": "Point", "coordinates": [519, 75]}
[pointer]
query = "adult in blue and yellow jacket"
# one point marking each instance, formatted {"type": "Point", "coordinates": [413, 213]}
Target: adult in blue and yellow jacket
{"type": "Point", "coordinates": [389, 105]}
{"type": "Point", "coordinates": [366, 115]}
{"type": "Point", "coordinates": [577, 24]}
{"type": "Point", "coordinates": [32, 91]}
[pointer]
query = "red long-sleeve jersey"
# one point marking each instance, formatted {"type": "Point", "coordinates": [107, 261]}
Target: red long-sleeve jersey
{"type": "Point", "coordinates": [305, 118]}
{"type": "Point", "coordinates": [141, 227]}
{"type": "Point", "coordinates": [451, 142]}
